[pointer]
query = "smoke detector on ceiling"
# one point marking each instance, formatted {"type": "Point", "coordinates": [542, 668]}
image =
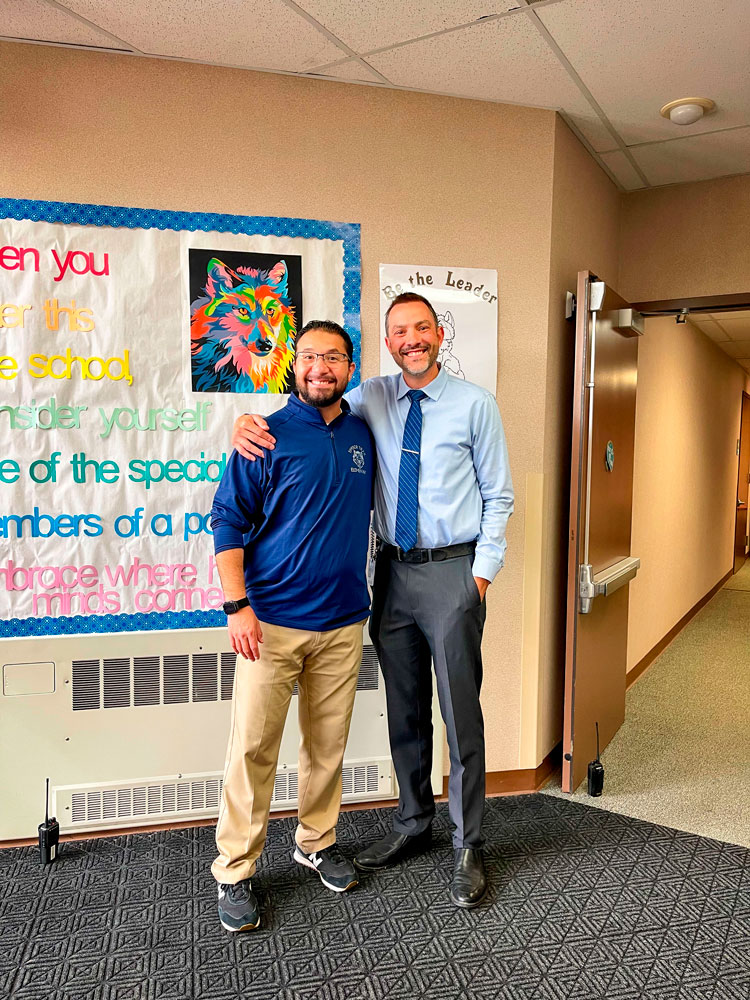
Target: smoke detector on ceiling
{"type": "Point", "coordinates": [688, 110]}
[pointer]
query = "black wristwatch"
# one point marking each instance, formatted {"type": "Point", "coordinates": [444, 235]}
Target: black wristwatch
{"type": "Point", "coordinates": [232, 607]}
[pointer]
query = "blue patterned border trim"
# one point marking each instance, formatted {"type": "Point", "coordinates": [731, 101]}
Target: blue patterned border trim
{"type": "Point", "coordinates": [154, 621]}
{"type": "Point", "coordinates": [249, 225]}
{"type": "Point", "coordinates": [150, 218]}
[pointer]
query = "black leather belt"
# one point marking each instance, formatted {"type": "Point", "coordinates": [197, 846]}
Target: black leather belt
{"type": "Point", "coordinates": [427, 555]}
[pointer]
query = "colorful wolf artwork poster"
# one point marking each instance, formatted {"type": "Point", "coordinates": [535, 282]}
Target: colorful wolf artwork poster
{"type": "Point", "coordinates": [245, 310]}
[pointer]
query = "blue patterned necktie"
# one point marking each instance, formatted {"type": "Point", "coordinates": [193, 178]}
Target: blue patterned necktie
{"type": "Point", "coordinates": [408, 474]}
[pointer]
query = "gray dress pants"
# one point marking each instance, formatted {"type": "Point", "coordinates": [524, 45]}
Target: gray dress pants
{"type": "Point", "coordinates": [421, 614]}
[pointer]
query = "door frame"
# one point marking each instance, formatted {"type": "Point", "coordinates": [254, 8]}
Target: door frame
{"type": "Point", "coordinates": [581, 684]}
{"type": "Point", "coordinates": [744, 424]}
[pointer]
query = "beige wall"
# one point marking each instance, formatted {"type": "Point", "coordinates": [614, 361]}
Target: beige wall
{"type": "Point", "coordinates": [431, 180]}
{"type": "Point", "coordinates": [685, 477]}
{"type": "Point", "coordinates": [440, 181]}
{"type": "Point", "coordinates": [686, 240]}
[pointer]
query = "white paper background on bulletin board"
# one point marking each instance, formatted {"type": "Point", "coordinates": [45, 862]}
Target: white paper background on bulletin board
{"type": "Point", "coordinates": [465, 300]}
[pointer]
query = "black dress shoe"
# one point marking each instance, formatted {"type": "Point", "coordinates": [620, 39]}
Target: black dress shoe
{"type": "Point", "coordinates": [469, 883]}
{"type": "Point", "coordinates": [391, 848]}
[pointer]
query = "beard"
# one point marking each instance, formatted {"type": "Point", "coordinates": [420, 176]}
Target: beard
{"type": "Point", "coordinates": [320, 397]}
{"type": "Point", "coordinates": [417, 366]}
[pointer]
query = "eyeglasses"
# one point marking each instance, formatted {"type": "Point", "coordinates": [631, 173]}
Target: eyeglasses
{"type": "Point", "coordinates": [330, 358]}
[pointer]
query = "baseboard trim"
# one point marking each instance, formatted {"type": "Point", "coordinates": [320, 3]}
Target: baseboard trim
{"type": "Point", "coordinates": [642, 666]}
{"type": "Point", "coordinates": [183, 825]}
{"type": "Point", "coordinates": [523, 781]}
{"type": "Point", "coordinates": [520, 782]}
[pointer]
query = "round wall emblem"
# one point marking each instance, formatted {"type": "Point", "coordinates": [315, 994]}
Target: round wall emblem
{"type": "Point", "coordinates": [609, 457]}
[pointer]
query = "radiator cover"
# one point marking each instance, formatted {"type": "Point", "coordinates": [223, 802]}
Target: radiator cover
{"type": "Point", "coordinates": [138, 723]}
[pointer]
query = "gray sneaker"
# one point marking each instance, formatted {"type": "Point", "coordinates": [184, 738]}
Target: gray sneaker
{"type": "Point", "coordinates": [334, 870]}
{"type": "Point", "coordinates": [238, 907]}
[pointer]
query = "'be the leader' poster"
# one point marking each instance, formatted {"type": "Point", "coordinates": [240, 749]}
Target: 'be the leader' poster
{"type": "Point", "coordinates": [465, 300]}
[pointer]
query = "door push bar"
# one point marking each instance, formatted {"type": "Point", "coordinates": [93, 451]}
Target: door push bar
{"type": "Point", "coordinates": [605, 582]}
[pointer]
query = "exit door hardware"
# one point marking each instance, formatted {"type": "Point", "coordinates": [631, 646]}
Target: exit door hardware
{"type": "Point", "coordinates": [596, 290]}
{"type": "Point", "coordinates": [629, 322]}
{"type": "Point", "coordinates": [605, 582]}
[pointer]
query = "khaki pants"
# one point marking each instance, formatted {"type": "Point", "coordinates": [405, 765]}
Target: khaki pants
{"type": "Point", "coordinates": [325, 665]}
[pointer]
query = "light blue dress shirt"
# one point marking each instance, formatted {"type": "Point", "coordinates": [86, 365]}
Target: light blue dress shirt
{"type": "Point", "coordinates": [465, 489]}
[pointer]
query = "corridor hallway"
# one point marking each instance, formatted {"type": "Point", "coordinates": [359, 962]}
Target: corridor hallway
{"type": "Point", "coordinates": [682, 757]}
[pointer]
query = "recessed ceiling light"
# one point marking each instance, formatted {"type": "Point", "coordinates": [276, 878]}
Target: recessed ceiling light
{"type": "Point", "coordinates": [687, 110]}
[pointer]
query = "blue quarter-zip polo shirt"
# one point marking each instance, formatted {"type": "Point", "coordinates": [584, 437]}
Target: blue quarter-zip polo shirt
{"type": "Point", "coordinates": [302, 513]}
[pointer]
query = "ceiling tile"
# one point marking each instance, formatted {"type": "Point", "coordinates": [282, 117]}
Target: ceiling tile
{"type": "Point", "coordinates": [268, 35]}
{"type": "Point", "coordinates": [730, 314]}
{"type": "Point", "coordinates": [635, 57]}
{"type": "Point", "coordinates": [736, 329]}
{"type": "Point", "coordinates": [740, 349]}
{"type": "Point", "coordinates": [623, 170]}
{"type": "Point", "coordinates": [36, 20]}
{"type": "Point", "coordinates": [696, 158]}
{"type": "Point", "coordinates": [593, 129]}
{"type": "Point", "coordinates": [375, 24]}
{"type": "Point", "coordinates": [351, 70]}
{"type": "Point", "coordinates": [711, 329]}
{"type": "Point", "coordinates": [505, 60]}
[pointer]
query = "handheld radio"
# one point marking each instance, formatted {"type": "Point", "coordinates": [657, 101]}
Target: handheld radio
{"type": "Point", "coordinates": [596, 771]}
{"type": "Point", "coordinates": [49, 834]}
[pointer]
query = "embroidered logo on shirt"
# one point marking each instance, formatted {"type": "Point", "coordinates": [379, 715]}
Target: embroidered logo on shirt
{"type": "Point", "coordinates": [358, 457]}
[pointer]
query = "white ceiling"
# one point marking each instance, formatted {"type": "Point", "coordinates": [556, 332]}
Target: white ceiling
{"type": "Point", "coordinates": [607, 65]}
{"type": "Point", "coordinates": [730, 331]}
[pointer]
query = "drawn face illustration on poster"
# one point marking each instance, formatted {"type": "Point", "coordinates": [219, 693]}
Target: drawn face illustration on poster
{"type": "Point", "coordinates": [245, 311]}
{"type": "Point", "coordinates": [447, 356]}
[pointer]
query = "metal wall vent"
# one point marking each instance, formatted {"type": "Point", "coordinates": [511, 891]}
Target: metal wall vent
{"type": "Point", "coordinates": [286, 786]}
{"type": "Point", "coordinates": [360, 779]}
{"type": "Point", "coordinates": [146, 800]}
{"type": "Point", "coordinates": [175, 679]}
{"type": "Point", "coordinates": [196, 796]}
{"type": "Point", "coordinates": [368, 670]}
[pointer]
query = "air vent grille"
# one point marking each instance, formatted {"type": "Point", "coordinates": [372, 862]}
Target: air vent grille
{"type": "Point", "coordinates": [175, 679]}
{"type": "Point", "coordinates": [205, 677]}
{"type": "Point", "coordinates": [116, 683]}
{"type": "Point", "coordinates": [361, 779]}
{"type": "Point", "coordinates": [228, 661]}
{"type": "Point", "coordinates": [85, 684]}
{"type": "Point", "coordinates": [145, 800]}
{"type": "Point", "coordinates": [368, 670]}
{"type": "Point", "coordinates": [146, 680]}
{"type": "Point", "coordinates": [152, 799]}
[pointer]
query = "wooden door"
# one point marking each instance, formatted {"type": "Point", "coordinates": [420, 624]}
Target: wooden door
{"type": "Point", "coordinates": [601, 494]}
{"type": "Point", "coordinates": [743, 472]}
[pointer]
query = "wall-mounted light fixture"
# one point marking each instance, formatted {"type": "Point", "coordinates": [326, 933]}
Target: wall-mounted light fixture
{"type": "Point", "coordinates": [688, 110]}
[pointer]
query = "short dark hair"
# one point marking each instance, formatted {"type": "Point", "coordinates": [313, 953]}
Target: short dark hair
{"type": "Point", "coordinates": [330, 327]}
{"type": "Point", "coordinates": [410, 297]}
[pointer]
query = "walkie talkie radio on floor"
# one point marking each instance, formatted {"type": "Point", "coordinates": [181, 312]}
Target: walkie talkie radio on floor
{"type": "Point", "coordinates": [49, 834]}
{"type": "Point", "coordinates": [596, 771]}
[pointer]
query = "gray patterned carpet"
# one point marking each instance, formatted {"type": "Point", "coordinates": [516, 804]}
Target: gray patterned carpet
{"type": "Point", "coordinates": [584, 904]}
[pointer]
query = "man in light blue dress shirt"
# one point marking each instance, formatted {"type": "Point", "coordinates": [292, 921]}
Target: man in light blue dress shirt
{"type": "Point", "coordinates": [443, 496]}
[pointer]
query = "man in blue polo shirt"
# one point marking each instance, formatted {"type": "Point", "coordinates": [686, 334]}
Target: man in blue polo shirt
{"type": "Point", "coordinates": [291, 536]}
{"type": "Point", "coordinates": [443, 496]}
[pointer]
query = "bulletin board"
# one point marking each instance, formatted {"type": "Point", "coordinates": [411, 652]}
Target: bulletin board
{"type": "Point", "coordinates": [130, 340]}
